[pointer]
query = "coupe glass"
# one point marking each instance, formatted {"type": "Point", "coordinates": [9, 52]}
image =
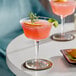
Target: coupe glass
{"type": "Point", "coordinates": [36, 31]}
{"type": "Point", "coordinates": [63, 9]}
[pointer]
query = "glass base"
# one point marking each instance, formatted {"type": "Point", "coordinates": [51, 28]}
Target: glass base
{"type": "Point", "coordinates": [39, 64]}
{"type": "Point", "coordinates": [62, 37]}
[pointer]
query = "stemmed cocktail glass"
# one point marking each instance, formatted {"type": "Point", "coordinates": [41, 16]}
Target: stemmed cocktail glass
{"type": "Point", "coordinates": [63, 8]}
{"type": "Point", "coordinates": [38, 30]}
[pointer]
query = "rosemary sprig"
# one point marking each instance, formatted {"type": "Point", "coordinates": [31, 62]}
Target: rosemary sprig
{"type": "Point", "coordinates": [33, 17]}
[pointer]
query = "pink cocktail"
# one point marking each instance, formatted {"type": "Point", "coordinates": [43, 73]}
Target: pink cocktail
{"type": "Point", "coordinates": [63, 9]}
{"type": "Point", "coordinates": [36, 31]}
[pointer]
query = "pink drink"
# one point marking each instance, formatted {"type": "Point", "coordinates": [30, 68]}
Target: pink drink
{"type": "Point", "coordinates": [63, 8]}
{"type": "Point", "coordinates": [37, 30]}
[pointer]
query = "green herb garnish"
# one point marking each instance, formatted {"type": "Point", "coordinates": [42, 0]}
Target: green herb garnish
{"type": "Point", "coordinates": [33, 17]}
{"type": "Point", "coordinates": [55, 22]}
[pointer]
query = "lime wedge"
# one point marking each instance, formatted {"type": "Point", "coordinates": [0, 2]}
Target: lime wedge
{"type": "Point", "coordinates": [55, 22]}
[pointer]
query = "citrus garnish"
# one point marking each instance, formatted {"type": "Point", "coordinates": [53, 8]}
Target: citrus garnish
{"type": "Point", "coordinates": [55, 22]}
{"type": "Point", "coordinates": [33, 24]}
{"type": "Point", "coordinates": [59, 0]}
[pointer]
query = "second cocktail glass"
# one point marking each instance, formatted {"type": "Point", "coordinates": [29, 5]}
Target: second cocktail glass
{"type": "Point", "coordinates": [63, 8]}
{"type": "Point", "coordinates": [36, 31]}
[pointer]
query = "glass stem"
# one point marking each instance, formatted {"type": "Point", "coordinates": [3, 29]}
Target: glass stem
{"type": "Point", "coordinates": [37, 49]}
{"type": "Point", "coordinates": [62, 25]}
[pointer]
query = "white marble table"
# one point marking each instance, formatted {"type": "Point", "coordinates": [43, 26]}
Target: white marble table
{"type": "Point", "coordinates": [21, 49]}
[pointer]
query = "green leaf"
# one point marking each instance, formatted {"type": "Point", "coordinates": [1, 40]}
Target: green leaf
{"type": "Point", "coordinates": [71, 58]}
{"type": "Point", "coordinates": [55, 22]}
{"type": "Point", "coordinates": [33, 17]}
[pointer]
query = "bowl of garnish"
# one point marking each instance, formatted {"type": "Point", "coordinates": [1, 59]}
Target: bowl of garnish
{"type": "Point", "coordinates": [70, 55]}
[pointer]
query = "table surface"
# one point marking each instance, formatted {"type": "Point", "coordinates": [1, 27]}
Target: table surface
{"type": "Point", "coordinates": [21, 49]}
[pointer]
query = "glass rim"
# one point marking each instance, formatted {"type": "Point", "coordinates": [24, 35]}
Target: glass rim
{"type": "Point", "coordinates": [70, 2]}
{"type": "Point", "coordinates": [66, 1]}
{"type": "Point", "coordinates": [28, 18]}
{"type": "Point", "coordinates": [64, 4]}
